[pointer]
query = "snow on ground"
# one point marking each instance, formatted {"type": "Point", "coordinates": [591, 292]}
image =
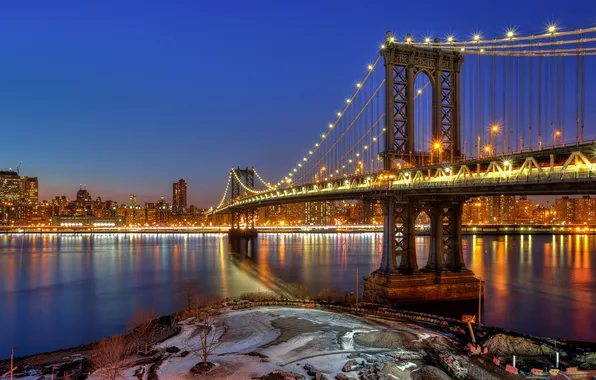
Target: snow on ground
{"type": "Point", "coordinates": [288, 338]}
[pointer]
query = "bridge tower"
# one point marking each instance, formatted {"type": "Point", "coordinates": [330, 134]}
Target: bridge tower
{"type": "Point", "coordinates": [242, 181]}
{"type": "Point", "coordinates": [403, 63]}
{"type": "Point", "coordinates": [445, 276]}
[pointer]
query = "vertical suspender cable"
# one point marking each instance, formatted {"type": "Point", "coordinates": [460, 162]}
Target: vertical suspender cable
{"type": "Point", "coordinates": [539, 101]}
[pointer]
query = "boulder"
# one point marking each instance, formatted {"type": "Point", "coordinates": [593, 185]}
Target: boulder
{"type": "Point", "coordinates": [430, 373]}
{"type": "Point", "coordinates": [585, 361]}
{"type": "Point", "coordinates": [504, 345]}
{"type": "Point", "coordinates": [349, 366]}
{"type": "Point", "coordinates": [281, 375]}
{"type": "Point", "coordinates": [172, 349]}
{"type": "Point", "coordinates": [308, 367]}
{"type": "Point", "coordinates": [320, 376]}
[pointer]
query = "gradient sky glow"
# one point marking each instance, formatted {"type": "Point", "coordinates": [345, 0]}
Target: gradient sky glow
{"type": "Point", "coordinates": [129, 96]}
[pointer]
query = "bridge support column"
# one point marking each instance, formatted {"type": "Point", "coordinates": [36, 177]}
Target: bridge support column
{"type": "Point", "coordinates": [436, 257]}
{"type": "Point", "coordinates": [405, 235]}
{"type": "Point", "coordinates": [388, 253]}
{"type": "Point", "coordinates": [238, 237]}
{"type": "Point", "coordinates": [455, 255]}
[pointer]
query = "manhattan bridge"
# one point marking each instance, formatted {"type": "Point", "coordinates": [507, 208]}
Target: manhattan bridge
{"type": "Point", "coordinates": [432, 124]}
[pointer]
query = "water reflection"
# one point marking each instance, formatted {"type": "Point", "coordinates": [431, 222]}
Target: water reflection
{"type": "Point", "coordinates": [71, 289]}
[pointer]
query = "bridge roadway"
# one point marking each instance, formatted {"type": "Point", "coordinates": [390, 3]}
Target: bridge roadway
{"type": "Point", "coordinates": [563, 170]}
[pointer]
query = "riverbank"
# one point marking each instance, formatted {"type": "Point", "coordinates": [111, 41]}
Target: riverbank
{"type": "Point", "coordinates": [253, 339]}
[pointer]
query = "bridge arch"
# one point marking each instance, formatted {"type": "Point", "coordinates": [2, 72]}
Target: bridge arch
{"type": "Point", "coordinates": [423, 116]}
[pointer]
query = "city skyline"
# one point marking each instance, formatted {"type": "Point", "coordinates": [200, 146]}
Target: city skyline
{"type": "Point", "coordinates": [125, 106]}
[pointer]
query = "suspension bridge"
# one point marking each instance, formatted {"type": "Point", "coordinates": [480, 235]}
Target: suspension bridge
{"type": "Point", "coordinates": [432, 124]}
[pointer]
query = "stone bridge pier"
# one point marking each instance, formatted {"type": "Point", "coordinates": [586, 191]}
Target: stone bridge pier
{"type": "Point", "coordinates": [243, 228]}
{"type": "Point", "coordinates": [444, 277]}
{"type": "Point", "coordinates": [243, 223]}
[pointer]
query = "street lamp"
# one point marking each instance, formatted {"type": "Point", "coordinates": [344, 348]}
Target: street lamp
{"type": "Point", "coordinates": [494, 129]}
{"type": "Point", "coordinates": [558, 136]}
{"type": "Point", "coordinates": [488, 149]}
{"type": "Point", "coordinates": [438, 147]}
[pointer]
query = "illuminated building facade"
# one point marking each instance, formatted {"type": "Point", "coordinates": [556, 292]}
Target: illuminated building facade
{"type": "Point", "coordinates": [30, 194]}
{"type": "Point", "coordinates": [523, 210]}
{"type": "Point", "coordinates": [179, 197]}
{"type": "Point", "coordinates": [10, 186]}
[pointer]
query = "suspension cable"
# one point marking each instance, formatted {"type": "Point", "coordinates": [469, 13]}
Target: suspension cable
{"type": "Point", "coordinates": [342, 135]}
{"type": "Point", "coordinates": [325, 135]}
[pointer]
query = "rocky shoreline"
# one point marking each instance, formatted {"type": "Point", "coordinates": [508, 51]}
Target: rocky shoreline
{"type": "Point", "coordinates": [370, 340]}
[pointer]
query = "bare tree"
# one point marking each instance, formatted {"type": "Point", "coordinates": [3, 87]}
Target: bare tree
{"type": "Point", "coordinates": [188, 292]}
{"type": "Point", "coordinates": [107, 356]}
{"type": "Point", "coordinates": [141, 328]}
{"type": "Point", "coordinates": [204, 340]}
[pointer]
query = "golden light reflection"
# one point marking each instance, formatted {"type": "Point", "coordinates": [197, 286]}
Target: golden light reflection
{"type": "Point", "coordinates": [222, 265]}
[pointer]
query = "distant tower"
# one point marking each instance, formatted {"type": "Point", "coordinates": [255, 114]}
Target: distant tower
{"type": "Point", "coordinates": [179, 197]}
{"type": "Point", "coordinates": [132, 200]}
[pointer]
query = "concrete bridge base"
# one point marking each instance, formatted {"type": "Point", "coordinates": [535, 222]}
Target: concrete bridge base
{"type": "Point", "coordinates": [421, 287]}
{"type": "Point", "coordinates": [238, 233]}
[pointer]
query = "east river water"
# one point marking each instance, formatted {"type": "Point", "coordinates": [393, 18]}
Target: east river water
{"type": "Point", "coordinates": [58, 291]}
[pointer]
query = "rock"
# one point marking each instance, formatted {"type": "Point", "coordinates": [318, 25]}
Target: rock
{"type": "Point", "coordinates": [349, 366]}
{"type": "Point", "coordinates": [281, 375]}
{"type": "Point", "coordinates": [183, 354]}
{"type": "Point", "coordinates": [430, 373]}
{"type": "Point", "coordinates": [308, 367]}
{"type": "Point", "coordinates": [172, 349]}
{"type": "Point", "coordinates": [585, 361]}
{"type": "Point", "coordinates": [320, 376]}
{"type": "Point", "coordinates": [154, 368]}
{"type": "Point", "coordinates": [202, 367]}
{"type": "Point", "coordinates": [139, 373]}
{"type": "Point", "coordinates": [341, 376]}
{"type": "Point", "coordinates": [504, 345]}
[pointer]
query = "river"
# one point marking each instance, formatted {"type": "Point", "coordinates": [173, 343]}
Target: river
{"type": "Point", "coordinates": [58, 291]}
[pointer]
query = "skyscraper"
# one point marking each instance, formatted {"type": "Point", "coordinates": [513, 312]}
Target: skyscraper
{"type": "Point", "coordinates": [10, 186]}
{"type": "Point", "coordinates": [179, 197]}
{"type": "Point", "coordinates": [564, 210]}
{"type": "Point", "coordinates": [501, 209]}
{"type": "Point", "coordinates": [523, 210]}
{"type": "Point", "coordinates": [30, 190]}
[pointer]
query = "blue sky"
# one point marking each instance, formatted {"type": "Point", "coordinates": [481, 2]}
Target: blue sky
{"type": "Point", "coordinates": [129, 96]}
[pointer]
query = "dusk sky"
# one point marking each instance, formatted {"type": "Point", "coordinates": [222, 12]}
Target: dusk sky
{"type": "Point", "coordinates": [129, 96]}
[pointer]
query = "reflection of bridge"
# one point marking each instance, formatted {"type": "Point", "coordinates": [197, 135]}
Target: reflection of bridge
{"type": "Point", "coordinates": [521, 99]}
